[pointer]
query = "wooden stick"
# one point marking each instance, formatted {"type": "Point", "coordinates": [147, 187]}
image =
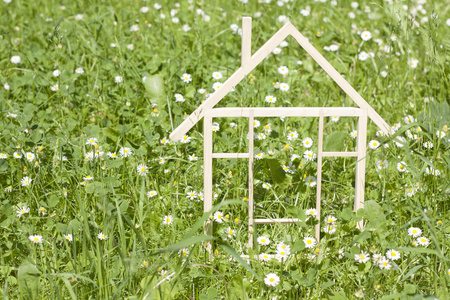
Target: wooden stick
{"type": "Point", "coordinates": [319, 173]}
{"type": "Point", "coordinates": [284, 111]}
{"type": "Point", "coordinates": [251, 151]}
{"type": "Point", "coordinates": [272, 221]}
{"type": "Point", "coordinates": [246, 46]}
{"type": "Point", "coordinates": [360, 177]}
{"type": "Point", "coordinates": [207, 176]}
{"type": "Point", "coordinates": [231, 155]}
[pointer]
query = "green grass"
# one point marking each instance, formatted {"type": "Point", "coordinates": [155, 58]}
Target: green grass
{"type": "Point", "coordinates": [140, 251]}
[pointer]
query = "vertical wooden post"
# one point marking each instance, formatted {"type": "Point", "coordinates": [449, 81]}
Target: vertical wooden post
{"type": "Point", "coordinates": [251, 120]}
{"type": "Point", "coordinates": [246, 46]}
{"type": "Point", "coordinates": [207, 175]}
{"type": "Point", "coordinates": [360, 178]}
{"type": "Point", "coordinates": [319, 172]}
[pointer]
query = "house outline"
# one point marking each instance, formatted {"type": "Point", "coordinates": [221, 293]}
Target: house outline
{"type": "Point", "coordinates": [248, 63]}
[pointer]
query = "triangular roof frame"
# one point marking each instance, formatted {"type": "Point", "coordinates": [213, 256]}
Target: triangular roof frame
{"type": "Point", "coordinates": [249, 63]}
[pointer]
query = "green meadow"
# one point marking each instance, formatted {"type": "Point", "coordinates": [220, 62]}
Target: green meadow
{"type": "Point", "coordinates": [97, 202]}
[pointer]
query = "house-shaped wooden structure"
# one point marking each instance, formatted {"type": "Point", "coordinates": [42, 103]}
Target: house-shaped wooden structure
{"type": "Point", "coordinates": [207, 111]}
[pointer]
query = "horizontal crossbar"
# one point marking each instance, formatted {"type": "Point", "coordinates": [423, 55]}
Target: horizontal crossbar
{"type": "Point", "coordinates": [339, 154]}
{"type": "Point", "coordinates": [230, 155]}
{"type": "Point", "coordinates": [286, 112]}
{"type": "Point", "coordinates": [272, 221]}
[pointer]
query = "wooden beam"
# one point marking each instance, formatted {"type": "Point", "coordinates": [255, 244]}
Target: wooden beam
{"type": "Point", "coordinates": [339, 154]}
{"type": "Point", "coordinates": [207, 177]}
{"type": "Point", "coordinates": [230, 155]}
{"type": "Point", "coordinates": [360, 178]}
{"type": "Point", "coordinates": [319, 173]}
{"type": "Point", "coordinates": [273, 221]}
{"type": "Point", "coordinates": [251, 135]}
{"type": "Point", "coordinates": [284, 111]}
{"type": "Point", "coordinates": [246, 46]}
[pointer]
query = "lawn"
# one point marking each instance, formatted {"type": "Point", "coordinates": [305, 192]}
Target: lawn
{"type": "Point", "coordinates": [97, 202]}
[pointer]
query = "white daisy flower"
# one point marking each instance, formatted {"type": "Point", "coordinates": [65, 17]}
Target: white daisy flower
{"type": "Point", "coordinates": [309, 155]}
{"type": "Point", "coordinates": [270, 99]}
{"type": "Point", "coordinates": [15, 59]}
{"type": "Point", "coordinates": [373, 144]}
{"type": "Point", "coordinates": [185, 139]}
{"type": "Point", "coordinates": [393, 255]}
{"type": "Point", "coordinates": [259, 154]}
{"type": "Point", "coordinates": [186, 77]}
{"type": "Point", "coordinates": [263, 241]}
{"type": "Point", "coordinates": [152, 194]}
{"type": "Point", "coordinates": [125, 151]}
{"type": "Point", "coordinates": [311, 212]}
{"type": "Point", "coordinates": [217, 85]}
{"type": "Point", "coordinates": [309, 242]}
{"type": "Point", "coordinates": [362, 258]}
{"type": "Point", "coordinates": [291, 136]}
{"type": "Point", "coordinates": [218, 217]}
{"type": "Point", "coordinates": [283, 70]}
{"type": "Point", "coordinates": [423, 241]}
{"type": "Point", "coordinates": [217, 75]}
{"type": "Point", "coordinates": [142, 169]}
{"type": "Point", "coordinates": [22, 211]}
{"type": "Point", "coordinates": [179, 98]}
{"type": "Point", "coordinates": [401, 166]}
{"type": "Point", "coordinates": [102, 236]}
{"type": "Point", "coordinates": [272, 279]}
{"type": "Point", "coordinates": [366, 35]}
{"type": "Point", "coordinates": [37, 239]}
{"type": "Point", "coordinates": [311, 181]}
{"type": "Point", "coordinates": [26, 181]}
{"type": "Point", "coordinates": [284, 87]}
{"type": "Point", "coordinates": [68, 237]}
{"type": "Point", "coordinates": [167, 220]}
{"type": "Point", "coordinates": [192, 195]}
{"type": "Point", "coordinates": [383, 263]}
{"type": "Point", "coordinates": [414, 231]}
{"type": "Point", "coordinates": [382, 164]}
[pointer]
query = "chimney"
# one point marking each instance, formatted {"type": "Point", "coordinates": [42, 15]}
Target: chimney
{"type": "Point", "coordinates": [246, 47]}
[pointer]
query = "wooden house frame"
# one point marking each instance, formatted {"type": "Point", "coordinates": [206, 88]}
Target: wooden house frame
{"type": "Point", "coordinates": [248, 62]}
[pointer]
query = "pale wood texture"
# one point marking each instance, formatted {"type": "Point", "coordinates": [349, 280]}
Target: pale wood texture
{"type": "Point", "coordinates": [360, 177]}
{"type": "Point", "coordinates": [319, 173]}
{"type": "Point", "coordinates": [231, 155]}
{"type": "Point", "coordinates": [266, 49]}
{"type": "Point", "coordinates": [246, 45]}
{"type": "Point", "coordinates": [251, 136]}
{"type": "Point", "coordinates": [284, 111]}
{"type": "Point", "coordinates": [207, 176]}
{"type": "Point", "coordinates": [339, 154]}
{"type": "Point", "coordinates": [273, 221]}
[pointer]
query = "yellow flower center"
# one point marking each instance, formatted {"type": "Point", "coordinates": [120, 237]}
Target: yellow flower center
{"type": "Point", "coordinates": [272, 279]}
